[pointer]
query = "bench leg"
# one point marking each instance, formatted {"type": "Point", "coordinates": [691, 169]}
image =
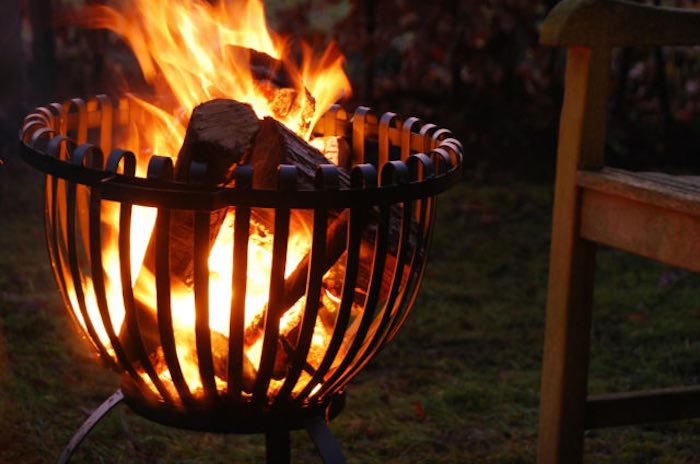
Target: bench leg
{"type": "Point", "coordinates": [566, 353]}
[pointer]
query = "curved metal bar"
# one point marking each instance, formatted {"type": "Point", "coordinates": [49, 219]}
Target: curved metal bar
{"type": "Point", "coordinates": [363, 175]}
{"type": "Point", "coordinates": [98, 281]}
{"type": "Point", "coordinates": [359, 123]}
{"type": "Point", "coordinates": [205, 359]}
{"type": "Point", "coordinates": [123, 158]}
{"type": "Point", "coordinates": [241, 230]}
{"type": "Point", "coordinates": [96, 416]}
{"type": "Point", "coordinates": [82, 129]}
{"type": "Point", "coordinates": [326, 178]}
{"type": "Point", "coordinates": [203, 342]}
{"type": "Point", "coordinates": [385, 122]}
{"type": "Point", "coordinates": [393, 172]}
{"type": "Point", "coordinates": [287, 182]}
{"type": "Point", "coordinates": [30, 126]}
{"type": "Point", "coordinates": [53, 228]}
{"type": "Point", "coordinates": [400, 174]}
{"type": "Point", "coordinates": [369, 309]}
{"type": "Point", "coordinates": [41, 135]}
{"type": "Point", "coordinates": [74, 267]}
{"type": "Point", "coordinates": [41, 112]}
{"type": "Point", "coordinates": [104, 103]}
{"type": "Point", "coordinates": [161, 167]}
{"type": "Point", "coordinates": [426, 136]}
{"type": "Point", "coordinates": [406, 130]}
{"type": "Point", "coordinates": [427, 213]}
{"type": "Point", "coordinates": [420, 166]}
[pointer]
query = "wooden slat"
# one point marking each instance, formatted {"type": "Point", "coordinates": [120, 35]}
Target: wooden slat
{"type": "Point", "coordinates": [645, 229]}
{"type": "Point", "coordinates": [611, 23]}
{"type": "Point", "coordinates": [677, 193]}
{"type": "Point", "coordinates": [616, 409]}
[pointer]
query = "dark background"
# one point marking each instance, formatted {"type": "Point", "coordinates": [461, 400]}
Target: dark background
{"type": "Point", "coordinates": [472, 66]}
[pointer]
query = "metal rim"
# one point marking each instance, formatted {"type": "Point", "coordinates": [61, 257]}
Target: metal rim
{"type": "Point", "coordinates": [43, 135]}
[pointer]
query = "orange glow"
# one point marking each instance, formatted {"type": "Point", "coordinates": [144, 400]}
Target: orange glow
{"type": "Point", "coordinates": [186, 49]}
{"type": "Point", "coordinates": [193, 51]}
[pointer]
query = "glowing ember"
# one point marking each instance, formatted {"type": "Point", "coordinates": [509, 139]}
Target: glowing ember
{"type": "Point", "coordinates": [191, 52]}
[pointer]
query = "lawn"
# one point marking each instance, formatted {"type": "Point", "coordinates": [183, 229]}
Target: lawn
{"type": "Point", "coordinates": [460, 383]}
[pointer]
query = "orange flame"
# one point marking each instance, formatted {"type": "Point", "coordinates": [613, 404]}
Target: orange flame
{"type": "Point", "coordinates": [192, 51]}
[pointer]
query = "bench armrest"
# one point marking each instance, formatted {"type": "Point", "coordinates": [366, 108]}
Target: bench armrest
{"type": "Point", "coordinates": [613, 23]}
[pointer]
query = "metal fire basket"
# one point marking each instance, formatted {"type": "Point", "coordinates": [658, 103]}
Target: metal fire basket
{"type": "Point", "coordinates": [397, 167]}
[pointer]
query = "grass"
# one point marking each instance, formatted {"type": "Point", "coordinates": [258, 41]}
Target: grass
{"type": "Point", "coordinates": [460, 383]}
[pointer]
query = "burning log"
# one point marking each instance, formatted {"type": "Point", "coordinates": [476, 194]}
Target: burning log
{"type": "Point", "coordinates": [275, 145]}
{"type": "Point", "coordinates": [275, 80]}
{"type": "Point", "coordinates": [222, 134]}
{"type": "Point", "coordinates": [219, 134]}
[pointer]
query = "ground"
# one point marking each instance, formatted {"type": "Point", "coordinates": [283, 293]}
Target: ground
{"type": "Point", "coordinates": [460, 383]}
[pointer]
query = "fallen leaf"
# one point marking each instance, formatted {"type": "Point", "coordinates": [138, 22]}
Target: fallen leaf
{"type": "Point", "coordinates": [420, 412]}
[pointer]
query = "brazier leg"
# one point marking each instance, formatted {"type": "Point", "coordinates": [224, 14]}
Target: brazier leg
{"type": "Point", "coordinates": [277, 447]}
{"type": "Point", "coordinates": [326, 444]}
{"type": "Point", "coordinates": [89, 423]}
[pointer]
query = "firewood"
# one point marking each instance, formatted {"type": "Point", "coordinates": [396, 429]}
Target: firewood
{"type": "Point", "coordinates": [275, 145]}
{"type": "Point", "coordinates": [295, 283]}
{"type": "Point", "coordinates": [276, 82]}
{"type": "Point", "coordinates": [220, 133]}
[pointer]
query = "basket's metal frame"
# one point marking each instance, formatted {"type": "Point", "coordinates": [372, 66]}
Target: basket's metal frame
{"type": "Point", "coordinates": [96, 416]}
{"type": "Point", "coordinates": [277, 441]}
{"type": "Point", "coordinates": [397, 167]}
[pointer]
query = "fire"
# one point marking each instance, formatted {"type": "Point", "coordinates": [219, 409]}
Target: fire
{"type": "Point", "coordinates": [192, 51]}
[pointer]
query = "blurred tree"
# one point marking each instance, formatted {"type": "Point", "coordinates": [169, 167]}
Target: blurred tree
{"type": "Point", "coordinates": [474, 66]}
{"type": "Point", "coordinates": [11, 64]}
{"type": "Point", "coordinates": [43, 60]}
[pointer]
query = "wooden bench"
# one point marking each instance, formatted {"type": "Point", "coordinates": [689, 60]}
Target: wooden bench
{"type": "Point", "coordinates": [650, 214]}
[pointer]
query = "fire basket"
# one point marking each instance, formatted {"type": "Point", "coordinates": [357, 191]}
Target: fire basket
{"type": "Point", "coordinates": [217, 353]}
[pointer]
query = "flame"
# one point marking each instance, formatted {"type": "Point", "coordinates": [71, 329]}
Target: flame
{"type": "Point", "coordinates": [192, 52]}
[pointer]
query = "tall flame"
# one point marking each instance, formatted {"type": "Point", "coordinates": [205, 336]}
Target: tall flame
{"type": "Point", "coordinates": [193, 51]}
